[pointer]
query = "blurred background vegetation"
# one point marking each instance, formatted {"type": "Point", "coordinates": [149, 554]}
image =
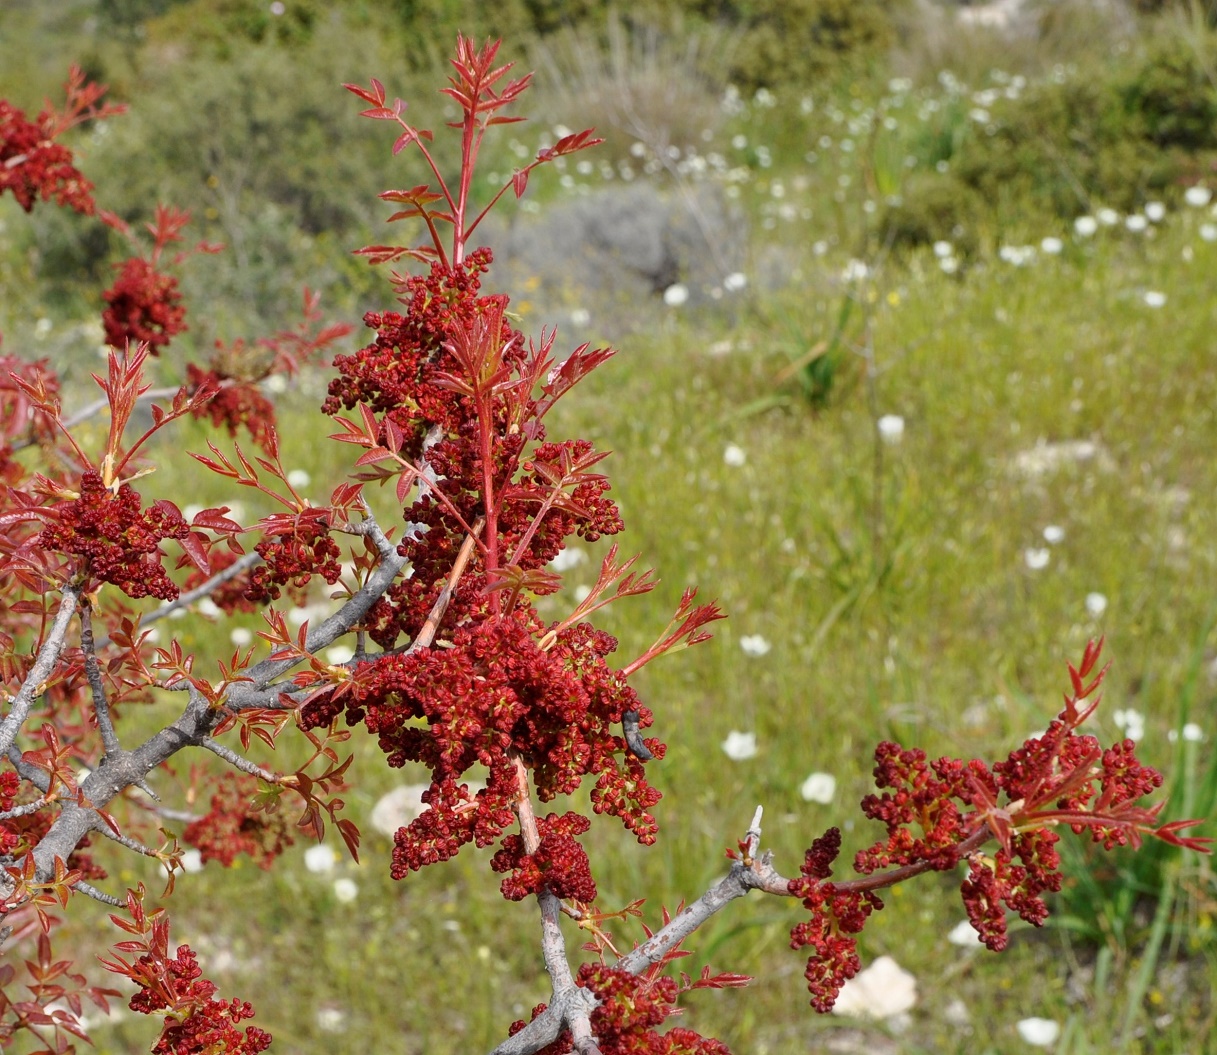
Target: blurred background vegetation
{"type": "Point", "coordinates": [989, 222]}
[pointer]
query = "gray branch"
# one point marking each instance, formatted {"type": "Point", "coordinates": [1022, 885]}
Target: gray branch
{"type": "Point", "coordinates": [44, 666]}
{"type": "Point", "coordinates": [752, 873]}
{"type": "Point", "coordinates": [122, 769]}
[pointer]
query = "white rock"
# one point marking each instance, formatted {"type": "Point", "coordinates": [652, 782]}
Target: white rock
{"type": "Point", "coordinates": [882, 990]}
{"type": "Point", "coordinates": [398, 808]}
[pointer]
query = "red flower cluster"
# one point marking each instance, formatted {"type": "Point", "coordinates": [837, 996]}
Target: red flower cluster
{"type": "Point", "coordinates": [493, 695]}
{"type": "Point", "coordinates": [229, 596]}
{"type": "Point", "coordinates": [559, 863]}
{"type": "Point", "coordinates": [922, 795]}
{"type": "Point", "coordinates": [119, 540]}
{"type": "Point", "coordinates": [10, 785]}
{"type": "Point", "coordinates": [399, 374]}
{"type": "Point", "coordinates": [630, 1007]}
{"type": "Point", "coordinates": [234, 826]}
{"type": "Point", "coordinates": [33, 165]}
{"type": "Point", "coordinates": [144, 305]}
{"type": "Point", "coordinates": [938, 814]}
{"type": "Point", "coordinates": [236, 403]}
{"type": "Point", "coordinates": [410, 375]}
{"type": "Point", "coordinates": [209, 1025]}
{"type": "Point", "coordinates": [295, 548]}
{"type": "Point", "coordinates": [835, 915]}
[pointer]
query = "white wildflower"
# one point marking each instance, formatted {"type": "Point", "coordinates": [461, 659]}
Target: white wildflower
{"type": "Point", "coordinates": [676, 295]}
{"type": "Point", "coordinates": [734, 455]}
{"type": "Point", "coordinates": [891, 428]}
{"type": "Point", "coordinates": [1154, 298]}
{"type": "Point", "coordinates": [754, 645]}
{"type": "Point", "coordinates": [963, 934]}
{"type": "Point", "coordinates": [1130, 722]}
{"type": "Point", "coordinates": [1042, 1032]}
{"type": "Point", "coordinates": [1096, 604]}
{"type": "Point", "coordinates": [819, 787]}
{"type": "Point", "coordinates": [1198, 196]}
{"type": "Point", "coordinates": [346, 890]}
{"type": "Point", "coordinates": [1036, 558]}
{"type": "Point", "coordinates": [336, 655]}
{"type": "Point", "coordinates": [1085, 226]}
{"type": "Point", "coordinates": [398, 808]}
{"type": "Point", "coordinates": [319, 859]}
{"type": "Point", "coordinates": [568, 558]}
{"type": "Point", "coordinates": [1053, 534]}
{"type": "Point", "coordinates": [739, 746]}
{"type": "Point", "coordinates": [330, 1020]}
{"type": "Point", "coordinates": [298, 478]}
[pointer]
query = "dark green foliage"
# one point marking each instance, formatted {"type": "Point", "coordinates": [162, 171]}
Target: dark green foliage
{"type": "Point", "coordinates": [796, 42]}
{"type": "Point", "coordinates": [1205, 8]}
{"type": "Point", "coordinates": [933, 208]}
{"type": "Point", "coordinates": [1114, 135]}
{"type": "Point", "coordinates": [1173, 98]}
{"type": "Point", "coordinates": [222, 26]}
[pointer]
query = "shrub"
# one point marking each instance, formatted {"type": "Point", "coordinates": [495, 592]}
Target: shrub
{"type": "Point", "coordinates": [452, 664]}
{"type": "Point", "coordinates": [1116, 135]}
{"type": "Point", "coordinates": [933, 208]}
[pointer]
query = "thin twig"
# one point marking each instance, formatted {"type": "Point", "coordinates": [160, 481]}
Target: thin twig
{"type": "Point", "coordinates": [242, 563]}
{"type": "Point", "coordinates": [26, 809]}
{"type": "Point", "coordinates": [101, 705]}
{"type": "Point", "coordinates": [553, 948]}
{"type": "Point", "coordinates": [98, 895]}
{"type": "Point", "coordinates": [754, 873]}
{"type": "Point", "coordinates": [238, 761]}
{"type": "Point", "coordinates": [429, 629]}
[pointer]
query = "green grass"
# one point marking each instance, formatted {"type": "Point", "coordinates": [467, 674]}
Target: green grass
{"type": "Point", "coordinates": [892, 584]}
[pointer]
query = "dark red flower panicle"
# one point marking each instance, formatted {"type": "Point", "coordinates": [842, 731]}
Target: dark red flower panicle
{"type": "Point", "coordinates": [119, 540]}
{"type": "Point", "coordinates": [236, 825]}
{"type": "Point", "coordinates": [33, 165]}
{"type": "Point", "coordinates": [559, 863]}
{"type": "Point", "coordinates": [198, 1024]}
{"type": "Point", "coordinates": [939, 814]}
{"type": "Point", "coordinates": [144, 304]}
{"type": "Point", "coordinates": [236, 404]}
{"type": "Point", "coordinates": [295, 547]}
{"type": "Point", "coordinates": [835, 916]}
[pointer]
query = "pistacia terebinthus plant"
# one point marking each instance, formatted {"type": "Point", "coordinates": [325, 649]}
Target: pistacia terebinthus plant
{"type": "Point", "coordinates": [453, 666]}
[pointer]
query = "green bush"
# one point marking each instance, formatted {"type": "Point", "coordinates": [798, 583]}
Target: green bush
{"type": "Point", "coordinates": [1115, 135]}
{"type": "Point", "coordinates": [933, 208]}
{"type": "Point", "coordinates": [797, 42]}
